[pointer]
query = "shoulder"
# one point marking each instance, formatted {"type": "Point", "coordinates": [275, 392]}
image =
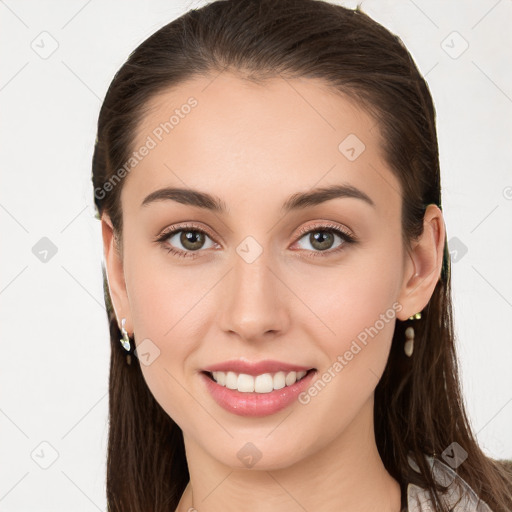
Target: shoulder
{"type": "Point", "coordinates": [459, 497]}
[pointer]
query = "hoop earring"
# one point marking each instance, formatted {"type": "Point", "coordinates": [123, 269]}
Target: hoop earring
{"type": "Point", "coordinates": [409, 336]}
{"type": "Point", "coordinates": [125, 342]}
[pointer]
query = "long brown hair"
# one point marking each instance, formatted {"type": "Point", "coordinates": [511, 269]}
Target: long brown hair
{"type": "Point", "coordinates": [418, 402]}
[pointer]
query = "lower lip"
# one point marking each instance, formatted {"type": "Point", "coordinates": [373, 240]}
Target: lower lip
{"type": "Point", "coordinates": [256, 404]}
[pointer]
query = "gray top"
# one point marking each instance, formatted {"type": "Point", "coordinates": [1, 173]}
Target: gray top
{"type": "Point", "coordinates": [419, 499]}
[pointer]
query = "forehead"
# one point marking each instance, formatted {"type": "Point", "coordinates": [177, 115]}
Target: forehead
{"type": "Point", "coordinates": [229, 104]}
{"type": "Point", "coordinates": [224, 133]}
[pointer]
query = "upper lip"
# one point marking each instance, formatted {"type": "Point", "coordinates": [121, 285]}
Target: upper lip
{"type": "Point", "coordinates": [256, 367]}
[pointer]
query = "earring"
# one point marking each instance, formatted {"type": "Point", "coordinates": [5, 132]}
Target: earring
{"type": "Point", "coordinates": [125, 341]}
{"type": "Point", "coordinates": [409, 336]}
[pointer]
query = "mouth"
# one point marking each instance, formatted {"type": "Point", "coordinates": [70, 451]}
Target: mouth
{"type": "Point", "coordinates": [262, 383]}
{"type": "Point", "coordinates": [260, 394]}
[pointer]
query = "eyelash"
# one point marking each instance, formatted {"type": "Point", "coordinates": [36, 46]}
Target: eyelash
{"type": "Point", "coordinates": [328, 228]}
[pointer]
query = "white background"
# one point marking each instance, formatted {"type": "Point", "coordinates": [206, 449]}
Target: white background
{"type": "Point", "coordinates": [55, 347]}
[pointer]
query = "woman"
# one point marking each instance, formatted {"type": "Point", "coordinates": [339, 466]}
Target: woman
{"type": "Point", "coordinates": [267, 178]}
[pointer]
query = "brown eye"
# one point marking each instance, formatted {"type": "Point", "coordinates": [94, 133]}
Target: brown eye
{"type": "Point", "coordinates": [192, 240]}
{"type": "Point", "coordinates": [322, 239]}
{"type": "Point", "coordinates": [185, 241]}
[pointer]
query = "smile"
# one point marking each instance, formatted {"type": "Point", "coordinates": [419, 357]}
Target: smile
{"type": "Point", "coordinates": [264, 383]}
{"type": "Point", "coordinates": [256, 395]}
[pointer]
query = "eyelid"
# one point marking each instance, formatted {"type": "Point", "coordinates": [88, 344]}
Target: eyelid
{"type": "Point", "coordinates": [326, 225]}
{"type": "Point", "coordinates": [167, 232]}
{"type": "Point", "coordinates": [305, 229]}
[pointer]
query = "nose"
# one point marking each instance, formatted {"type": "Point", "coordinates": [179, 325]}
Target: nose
{"type": "Point", "coordinates": [253, 300]}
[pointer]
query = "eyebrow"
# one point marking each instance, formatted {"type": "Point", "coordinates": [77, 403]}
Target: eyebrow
{"type": "Point", "coordinates": [298, 201]}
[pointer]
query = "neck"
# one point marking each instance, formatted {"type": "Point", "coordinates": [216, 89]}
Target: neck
{"type": "Point", "coordinates": [345, 475]}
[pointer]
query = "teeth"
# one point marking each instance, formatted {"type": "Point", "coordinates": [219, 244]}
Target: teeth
{"type": "Point", "coordinates": [264, 383]}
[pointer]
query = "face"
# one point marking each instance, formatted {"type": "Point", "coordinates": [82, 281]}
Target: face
{"type": "Point", "coordinates": [313, 283]}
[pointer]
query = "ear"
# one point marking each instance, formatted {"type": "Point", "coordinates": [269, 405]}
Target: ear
{"type": "Point", "coordinates": [115, 273]}
{"type": "Point", "coordinates": [423, 264]}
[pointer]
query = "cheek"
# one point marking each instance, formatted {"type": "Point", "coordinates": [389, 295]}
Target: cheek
{"type": "Point", "coordinates": [354, 318]}
{"type": "Point", "coordinates": [169, 305]}
{"type": "Point", "coordinates": [354, 335]}
{"type": "Point", "coordinates": [166, 307]}
{"type": "Point", "coordinates": [164, 296]}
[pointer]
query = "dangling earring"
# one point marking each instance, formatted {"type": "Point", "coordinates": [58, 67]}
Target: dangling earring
{"type": "Point", "coordinates": [125, 342]}
{"type": "Point", "coordinates": [409, 336]}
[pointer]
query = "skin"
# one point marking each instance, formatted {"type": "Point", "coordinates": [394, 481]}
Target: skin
{"type": "Point", "coordinates": [254, 146]}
